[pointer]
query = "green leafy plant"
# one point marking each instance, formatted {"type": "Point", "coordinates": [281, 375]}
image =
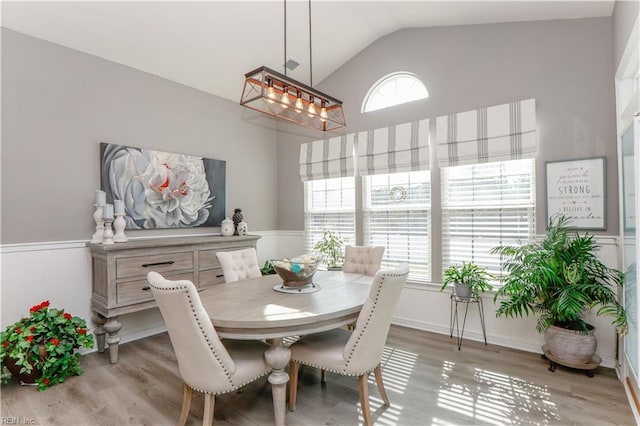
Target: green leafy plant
{"type": "Point", "coordinates": [476, 277]}
{"type": "Point", "coordinates": [47, 341]}
{"type": "Point", "coordinates": [267, 268]}
{"type": "Point", "coordinates": [331, 247]}
{"type": "Point", "coordinates": [559, 278]}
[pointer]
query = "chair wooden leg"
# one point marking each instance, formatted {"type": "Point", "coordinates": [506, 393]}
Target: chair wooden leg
{"type": "Point", "coordinates": [293, 384]}
{"type": "Point", "coordinates": [186, 404]}
{"type": "Point", "coordinates": [380, 384]}
{"type": "Point", "coordinates": [364, 399]}
{"type": "Point", "coordinates": [209, 405]}
{"type": "Point", "coordinates": [323, 376]}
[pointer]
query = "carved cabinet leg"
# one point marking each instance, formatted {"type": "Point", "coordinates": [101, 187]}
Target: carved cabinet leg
{"type": "Point", "coordinates": [112, 327]}
{"type": "Point", "coordinates": [99, 321]}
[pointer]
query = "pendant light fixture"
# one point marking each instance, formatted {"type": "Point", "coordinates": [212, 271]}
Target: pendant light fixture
{"type": "Point", "coordinates": [280, 96]}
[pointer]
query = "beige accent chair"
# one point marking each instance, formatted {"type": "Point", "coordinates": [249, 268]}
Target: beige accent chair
{"type": "Point", "coordinates": [354, 353]}
{"type": "Point", "coordinates": [239, 264]}
{"type": "Point", "coordinates": [206, 365]}
{"type": "Point", "coordinates": [362, 260]}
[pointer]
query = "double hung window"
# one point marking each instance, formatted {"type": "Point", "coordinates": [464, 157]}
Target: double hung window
{"type": "Point", "coordinates": [483, 206]}
{"type": "Point", "coordinates": [330, 206]}
{"type": "Point", "coordinates": [397, 216]}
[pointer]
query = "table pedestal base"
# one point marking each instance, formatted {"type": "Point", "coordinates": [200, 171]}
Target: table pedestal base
{"type": "Point", "coordinates": [278, 356]}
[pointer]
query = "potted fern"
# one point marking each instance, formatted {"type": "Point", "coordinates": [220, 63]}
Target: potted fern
{"type": "Point", "coordinates": [560, 279]}
{"type": "Point", "coordinates": [469, 280]}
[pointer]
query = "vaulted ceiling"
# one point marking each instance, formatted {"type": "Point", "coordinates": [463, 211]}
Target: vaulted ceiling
{"type": "Point", "coordinates": [210, 45]}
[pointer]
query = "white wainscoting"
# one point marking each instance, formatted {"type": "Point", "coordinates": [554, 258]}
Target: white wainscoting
{"type": "Point", "coordinates": [61, 273]}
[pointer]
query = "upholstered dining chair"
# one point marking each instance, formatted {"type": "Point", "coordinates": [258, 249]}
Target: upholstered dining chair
{"type": "Point", "coordinates": [354, 353]}
{"type": "Point", "coordinates": [362, 260]}
{"type": "Point", "coordinates": [206, 365]}
{"type": "Point", "coordinates": [239, 264]}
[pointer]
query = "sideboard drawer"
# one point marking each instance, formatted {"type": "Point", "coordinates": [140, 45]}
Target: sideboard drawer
{"type": "Point", "coordinates": [139, 291]}
{"type": "Point", "coordinates": [211, 277]}
{"type": "Point", "coordinates": [141, 265]}
{"type": "Point", "coordinates": [207, 259]}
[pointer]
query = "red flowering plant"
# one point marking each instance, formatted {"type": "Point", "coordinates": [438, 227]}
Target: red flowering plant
{"type": "Point", "coordinates": [45, 345]}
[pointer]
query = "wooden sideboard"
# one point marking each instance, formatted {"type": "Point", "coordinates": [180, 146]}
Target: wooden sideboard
{"type": "Point", "coordinates": [120, 275]}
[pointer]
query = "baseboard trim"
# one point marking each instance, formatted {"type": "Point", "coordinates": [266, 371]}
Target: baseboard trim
{"type": "Point", "coordinates": [607, 361]}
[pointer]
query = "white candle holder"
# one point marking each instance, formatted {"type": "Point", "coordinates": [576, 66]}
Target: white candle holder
{"type": "Point", "coordinates": [108, 232]}
{"type": "Point", "coordinates": [119, 225]}
{"type": "Point", "coordinates": [97, 236]}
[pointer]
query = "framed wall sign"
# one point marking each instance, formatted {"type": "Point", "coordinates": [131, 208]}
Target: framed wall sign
{"type": "Point", "coordinates": [576, 189]}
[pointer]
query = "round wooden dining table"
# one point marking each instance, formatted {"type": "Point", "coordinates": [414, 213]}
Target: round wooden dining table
{"type": "Point", "coordinates": [252, 310]}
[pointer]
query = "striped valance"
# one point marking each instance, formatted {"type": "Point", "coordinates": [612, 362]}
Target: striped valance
{"type": "Point", "coordinates": [497, 133]}
{"type": "Point", "coordinates": [394, 149]}
{"type": "Point", "coordinates": [327, 158]}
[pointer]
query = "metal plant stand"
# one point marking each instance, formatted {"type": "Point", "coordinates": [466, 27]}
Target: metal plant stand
{"type": "Point", "coordinates": [455, 321]}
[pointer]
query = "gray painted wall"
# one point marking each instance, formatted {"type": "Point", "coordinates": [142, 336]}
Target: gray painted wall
{"type": "Point", "coordinates": [58, 104]}
{"type": "Point", "coordinates": [567, 65]}
{"type": "Point", "coordinates": [625, 15]}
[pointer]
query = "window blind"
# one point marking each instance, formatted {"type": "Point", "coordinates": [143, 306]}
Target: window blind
{"type": "Point", "coordinates": [330, 206]}
{"type": "Point", "coordinates": [497, 133]}
{"type": "Point", "coordinates": [398, 148]}
{"type": "Point", "coordinates": [327, 158]}
{"type": "Point", "coordinates": [483, 206]}
{"type": "Point", "coordinates": [397, 216]}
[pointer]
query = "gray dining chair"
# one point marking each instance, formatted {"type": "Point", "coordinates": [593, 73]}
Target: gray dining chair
{"type": "Point", "coordinates": [205, 364]}
{"type": "Point", "coordinates": [355, 353]}
{"type": "Point", "coordinates": [239, 264]}
{"type": "Point", "coordinates": [362, 260]}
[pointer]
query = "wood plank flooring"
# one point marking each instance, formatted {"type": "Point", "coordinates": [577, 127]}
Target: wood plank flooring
{"type": "Point", "coordinates": [429, 382]}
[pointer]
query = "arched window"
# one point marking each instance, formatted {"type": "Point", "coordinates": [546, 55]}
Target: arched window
{"type": "Point", "coordinates": [394, 89]}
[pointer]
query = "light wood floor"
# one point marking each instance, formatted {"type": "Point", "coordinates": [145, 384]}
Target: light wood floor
{"type": "Point", "coordinates": [429, 382]}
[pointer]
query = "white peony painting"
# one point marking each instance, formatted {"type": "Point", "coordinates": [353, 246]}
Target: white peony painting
{"type": "Point", "coordinates": [162, 189]}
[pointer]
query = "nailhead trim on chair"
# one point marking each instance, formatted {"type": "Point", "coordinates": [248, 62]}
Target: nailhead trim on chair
{"type": "Point", "coordinates": [233, 386]}
{"type": "Point", "coordinates": [358, 338]}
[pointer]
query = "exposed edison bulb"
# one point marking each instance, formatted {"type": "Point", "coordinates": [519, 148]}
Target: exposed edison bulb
{"type": "Point", "coordinates": [284, 100]}
{"type": "Point", "coordinates": [323, 111]}
{"type": "Point", "coordinates": [299, 106]}
{"type": "Point", "coordinates": [271, 93]}
{"type": "Point", "coordinates": [312, 107]}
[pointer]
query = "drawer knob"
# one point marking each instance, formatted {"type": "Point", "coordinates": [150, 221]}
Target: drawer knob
{"type": "Point", "coordinates": [169, 262]}
{"type": "Point", "coordinates": [146, 288]}
{"type": "Point", "coordinates": [220, 276]}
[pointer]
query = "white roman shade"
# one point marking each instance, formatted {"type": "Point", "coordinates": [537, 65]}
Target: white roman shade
{"type": "Point", "coordinates": [327, 158]}
{"type": "Point", "coordinates": [497, 133]}
{"type": "Point", "coordinates": [394, 149]}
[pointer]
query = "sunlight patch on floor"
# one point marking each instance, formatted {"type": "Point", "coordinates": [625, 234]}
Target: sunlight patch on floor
{"type": "Point", "coordinates": [397, 366]}
{"type": "Point", "coordinates": [494, 398]}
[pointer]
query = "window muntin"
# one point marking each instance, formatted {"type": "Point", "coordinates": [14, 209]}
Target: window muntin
{"type": "Point", "coordinates": [483, 206]}
{"type": "Point", "coordinates": [329, 205]}
{"type": "Point", "coordinates": [397, 216]}
{"type": "Point", "coordinates": [394, 89]}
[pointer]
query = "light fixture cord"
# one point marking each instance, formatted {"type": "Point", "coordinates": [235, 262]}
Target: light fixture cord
{"type": "Point", "coordinates": [285, 37]}
{"type": "Point", "coordinates": [310, 55]}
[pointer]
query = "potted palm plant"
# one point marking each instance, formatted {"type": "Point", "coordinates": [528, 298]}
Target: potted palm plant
{"type": "Point", "coordinates": [469, 280]}
{"type": "Point", "coordinates": [560, 279]}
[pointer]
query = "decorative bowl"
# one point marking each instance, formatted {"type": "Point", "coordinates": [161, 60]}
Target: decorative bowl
{"type": "Point", "coordinates": [297, 271]}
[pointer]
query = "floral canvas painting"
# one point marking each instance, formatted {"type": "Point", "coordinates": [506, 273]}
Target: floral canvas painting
{"type": "Point", "coordinates": [162, 189]}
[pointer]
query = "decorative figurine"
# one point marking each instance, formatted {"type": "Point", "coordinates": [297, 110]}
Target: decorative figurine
{"type": "Point", "coordinates": [227, 227]}
{"type": "Point", "coordinates": [237, 218]}
{"type": "Point", "coordinates": [243, 228]}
